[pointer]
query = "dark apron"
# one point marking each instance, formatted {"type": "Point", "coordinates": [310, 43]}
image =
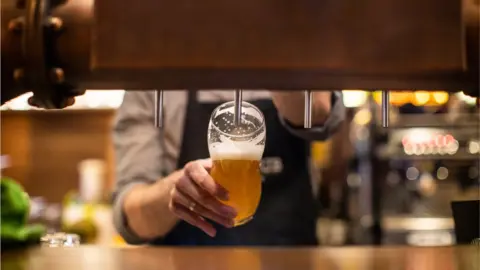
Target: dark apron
{"type": "Point", "coordinates": [287, 211]}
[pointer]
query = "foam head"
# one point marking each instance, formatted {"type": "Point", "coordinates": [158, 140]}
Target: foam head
{"type": "Point", "coordinates": [236, 151]}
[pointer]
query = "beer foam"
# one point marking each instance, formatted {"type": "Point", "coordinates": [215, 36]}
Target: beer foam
{"type": "Point", "coordinates": [236, 151]}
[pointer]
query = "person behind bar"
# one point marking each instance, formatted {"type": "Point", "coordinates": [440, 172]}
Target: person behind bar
{"type": "Point", "coordinates": [164, 194]}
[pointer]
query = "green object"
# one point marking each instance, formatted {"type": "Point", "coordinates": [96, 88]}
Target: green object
{"type": "Point", "coordinates": [85, 229]}
{"type": "Point", "coordinates": [15, 208]}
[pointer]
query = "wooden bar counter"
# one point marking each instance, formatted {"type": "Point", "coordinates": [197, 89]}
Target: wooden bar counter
{"type": "Point", "coordinates": [145, 258]}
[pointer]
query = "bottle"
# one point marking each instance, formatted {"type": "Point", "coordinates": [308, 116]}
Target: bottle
{"type": "Point", "coordinates": [81, 216]}
{"type": "Point", "coordinates": [92, 179]}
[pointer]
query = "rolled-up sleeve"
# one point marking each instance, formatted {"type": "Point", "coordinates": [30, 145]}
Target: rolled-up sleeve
{"type": "Point", "coordinates": [137, 153]}
{"type": "Point", "coordinates": [325, 131]}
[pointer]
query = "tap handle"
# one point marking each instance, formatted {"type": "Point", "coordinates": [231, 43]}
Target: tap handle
{"type": "Point", "coordinates": [385, 108]}
{"type": "Point", "coordinates": [307, 118]}
{"type": "Point", "coordinates": [159, 108]}
{"type": "Point", "coordinates": [238, 107]}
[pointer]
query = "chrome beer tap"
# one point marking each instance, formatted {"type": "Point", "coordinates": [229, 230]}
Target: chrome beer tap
{"type": "Point", "coordinates": [238, 107]}
{"type": "Point", "coordinates": [159, 108]}
{"type": "Point", "coordinates": [307, 117]}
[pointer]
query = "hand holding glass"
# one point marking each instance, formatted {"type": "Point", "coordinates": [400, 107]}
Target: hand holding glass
{"type": "Point", "coordinates": [236, 152]}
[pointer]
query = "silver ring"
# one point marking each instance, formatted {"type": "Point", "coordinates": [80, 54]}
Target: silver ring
{"type": "Point", "coordinates": [192, 206]}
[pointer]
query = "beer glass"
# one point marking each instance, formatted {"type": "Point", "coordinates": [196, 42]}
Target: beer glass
{"type": "Point", "coordinates": [236, 151]}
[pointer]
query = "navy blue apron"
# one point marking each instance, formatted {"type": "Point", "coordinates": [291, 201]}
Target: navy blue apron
{"type": "Point", "coordinates": [287, 211]}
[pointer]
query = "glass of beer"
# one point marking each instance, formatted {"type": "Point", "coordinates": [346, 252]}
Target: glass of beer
{"type": "Point", "coordinates": [236, 151]}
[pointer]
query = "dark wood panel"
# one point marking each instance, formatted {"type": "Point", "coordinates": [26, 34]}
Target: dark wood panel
{"type": "Point", "coordinates": [360, 37]}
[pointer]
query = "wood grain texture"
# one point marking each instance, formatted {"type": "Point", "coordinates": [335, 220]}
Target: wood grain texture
{"type": "Point", "coordinates": [400, 36]}
{"type": "Point", "coordinates": [386, 258]}
{"type": "Point", "coordinates": [46, 146]}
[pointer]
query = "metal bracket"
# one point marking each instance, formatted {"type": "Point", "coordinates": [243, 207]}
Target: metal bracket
{"type": "Point", "coordinates": [42, 73]}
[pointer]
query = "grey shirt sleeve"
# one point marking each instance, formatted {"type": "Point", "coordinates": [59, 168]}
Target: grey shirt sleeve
{"type": "Point", "coordinates": [137, 152]}
{"type": "Point", "coordinates": [324, 132]}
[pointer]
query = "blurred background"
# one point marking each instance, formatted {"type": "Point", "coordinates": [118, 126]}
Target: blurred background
{"type": "Point", "coordinates": [378, 186]}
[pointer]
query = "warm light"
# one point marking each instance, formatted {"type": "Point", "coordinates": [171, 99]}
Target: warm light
{"type": "Point", "coordinates": [473, 147]}
{"type": "Point", "coordinates": [377, 96]}
{"type": "Point", "coordinates": [412, 173]}
{"type": "Point", "coordinates": [400, 98]}
{"type": "Point", "coordinates": [449, 138]}
{"type": "Point", "coordinates": [362, 117]}
{"type": "Point", "coordinates": [442, 173]}
{"type": "Point", "coordinates": [467, 99]}
{"type": "Point", "coordinates": [354, 98]}
{"type": "Point", "coordinates": [4, 161]}
{"type": "Point", "coordinates": [417, 136]}
{"type": "Point", "coordinates": [427, 185]}
{"type": "Point", "coordinates": [320, 153]}
{"type": "Point", "coordinates": [452, 147]}
{"type": "Point", "coordinates": [397, 98]}
{"type": "Point", "coordinates": [408, 149]}
{"type": "Point", "coordinates": [99, 99]}
{"type": "Point", "coordinates": [421, 98]}
{"type": "Point", "coordinates": [440, 97]}
{"type": "Point", "coordinates": [18, 103]}
{"type": "Point", "coordinates": [429, 149]}
{"type": "Point", "coordinates": [354, 180]}
{"type": "Point", "coordinates": [419, 149]}
{"type": "Point", "coordinates": [439, 140]}
{"type": "Point", "coordinates": [94, 99]}
{"type": "Point", "coordinates": [424, 142]}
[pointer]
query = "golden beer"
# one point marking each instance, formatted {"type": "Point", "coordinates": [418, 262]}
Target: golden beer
{"type": "Point", "coordinates": [236, 149]}
{"type": "Point", "coordinates": [242, 179]}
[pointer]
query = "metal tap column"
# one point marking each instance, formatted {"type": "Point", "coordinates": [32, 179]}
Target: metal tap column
{"type": "Point", "coordinates": [238, 107]}
{"type": "Point", "coordinates": [159, 108]}
{"type": "Point", "coordinates": [307, 118]}
{"type": "Point", "coordinates": [385, 108]}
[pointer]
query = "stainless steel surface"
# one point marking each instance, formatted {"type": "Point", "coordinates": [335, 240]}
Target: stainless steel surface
{"type": "Point", "coordinates": [378, 44]}
{"type": "Point", "coordinates": [307, 117]}
{"type": "Point", "coordinates": [237, 114]}
{"type": "Point", "coordinates": [385, 108]}
{"type": "Point", "coordinates": [159, 108]}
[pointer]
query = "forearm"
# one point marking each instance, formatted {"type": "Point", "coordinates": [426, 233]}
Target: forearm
{"type": "Point", "coordinates": [291, 106]}
{"type": "Point", "coordinates": [146, 208]}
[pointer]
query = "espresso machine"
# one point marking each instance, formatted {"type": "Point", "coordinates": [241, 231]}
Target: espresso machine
{"type": "Point", "coordinates": [58, 48]}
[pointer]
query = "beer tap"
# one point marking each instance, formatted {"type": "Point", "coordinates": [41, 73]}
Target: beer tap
{"type": "Point", "coordinates": [385, 107]}
{"type": "Point", "coordinates": [237, 114]}
{"type": "Point", "coordinates": [159, 108]}
{"type": "Point", "coordinates": [307, 117]}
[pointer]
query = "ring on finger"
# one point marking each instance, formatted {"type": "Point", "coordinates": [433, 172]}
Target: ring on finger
{"type": "Point", "coordinates": [191, 206]}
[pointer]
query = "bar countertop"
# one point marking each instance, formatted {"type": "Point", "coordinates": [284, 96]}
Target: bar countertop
{"type": "Point", "coordinates": [145, 258]}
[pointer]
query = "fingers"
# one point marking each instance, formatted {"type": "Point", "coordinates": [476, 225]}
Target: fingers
{"type": "Point", "coordinates": [197, 172]}
{"type": "Point", "coordinates": [197, 190]}
{"type": "Point", "coordinates": [179, 198]}
{"type": "Point", "coordinates": [200, 196]}
{"type": "Point", "coordinates": [193, 219]}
